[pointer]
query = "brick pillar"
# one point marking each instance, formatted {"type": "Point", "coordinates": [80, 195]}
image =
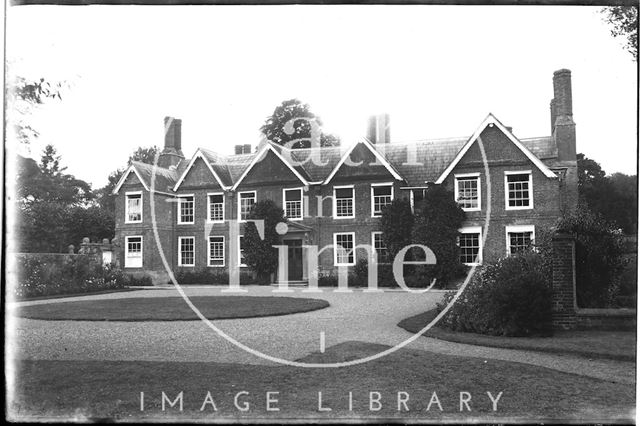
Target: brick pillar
{"type": "Point", "coordinates": [564, 284]}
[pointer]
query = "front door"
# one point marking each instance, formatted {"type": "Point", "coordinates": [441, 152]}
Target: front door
{"type": "Point", "coordinates": [295, 259]}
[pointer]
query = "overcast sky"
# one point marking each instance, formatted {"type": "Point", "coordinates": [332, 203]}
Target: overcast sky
{"type": "Point", "coordinates": [437, 70]}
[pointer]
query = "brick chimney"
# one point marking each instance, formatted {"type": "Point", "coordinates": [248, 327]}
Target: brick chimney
{"type": "Point", "coordinates": [562, 126]}
{"type": "Point", "coordinates": [172, 154]}
{"type": "Point", "coordinates": [243, 149]}
{"type": "Point", "coordinates": [378, 129]}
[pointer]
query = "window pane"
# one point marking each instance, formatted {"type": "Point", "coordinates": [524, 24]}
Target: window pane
{"type": "Point", "coordinates": [469, 247]}
{"type": "Point", "coordinates": [186, 210]}
{"type": "Point", "coordinates": [247, 200]}
{"type": "Point", "coordinates": [381, 198]}
{"type": "Point", "coordinates": [518, 190]}
{"type": "Point", "coordinates": [380, 248]}
{"type": "Point", "coordinates": [293, 203]}
{"type": "Point", "coordinates": [241, 245]}
{"type": "Point", "coordinates": [216, 207]}
{"type": "Point", "coordinates": [187, 254]}
{"type": "Point", "coordinates": [468, 192]}
{"type": "Point", "coordinates": [293, 194]}
{"type": "Point", "coordinates": [344, 202]}
{"type": "Point", "coordinates": [216, 251]}
{"type": "Point", "coordinates": [134, 208]}
{"type": "Point", "coordinates": [519, 241]}
{"type": "Point", "coordinates": [344, 248]}
{"type": "Point", "coordinates": [344, 192]}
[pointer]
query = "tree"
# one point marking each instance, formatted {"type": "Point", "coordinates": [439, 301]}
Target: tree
{"type": "Point", "coordinates": [624, 23]}
{"type": "Point", "coordinates": [22, 96]}
{"type": "Point", "coordinates": [259, 253]}
{"type": "Point", "coordinates": [396, 224]}
{"type": "Point", "coordinates": [276, 130]}
{"type": "Point", "coordinates": [437, 220]}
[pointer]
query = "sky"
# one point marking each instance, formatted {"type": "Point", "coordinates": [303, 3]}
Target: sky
{"type": "Point", "coordinates": [437, 70]}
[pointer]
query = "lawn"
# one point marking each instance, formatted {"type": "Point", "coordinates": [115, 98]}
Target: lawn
{"type": "Point", "coordinates": [101, 390]}
{"type": "Point", "coordinates": [619, 345]}
{"type": "Point", "coordinates": [170, 308]}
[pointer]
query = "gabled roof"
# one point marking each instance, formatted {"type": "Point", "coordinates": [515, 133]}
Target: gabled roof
{"type": "Point", "coordinates": [491, 119]}
{"type": "Point", "coordinates": [268, 146]}
{"type": "Point", "coordinates": [374, 151]}
{"type": "Point", "coordinates": [208, 158]}
{"type": "Point", "coordinates": [163, 179]}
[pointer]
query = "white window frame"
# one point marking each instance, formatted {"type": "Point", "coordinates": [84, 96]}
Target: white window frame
{"type": "Point", "coordinates": [412, 201]}
{"type": "Point", "coordinates": [353, 202]}
{"type": "Point", "coordinates": [126, 206]}
{"type": "Point", "coordinates": [374, 185]}
{"type": "Point", "coordinates": [224, 249]}
{"type": "Point", "coordinates": [242, 265]}
{"type": "Point", "coordinates": [180, 251]}
{"type": "Point", "coordinates": [209, 207]}
{"type": "Point", "coordinates": [474, 230]}
{"type": "Point", "coordinates": [518, 228]}
{"type": "Point", "coordinates": [284, 202]}
{"type": "Point", "coordinates": [506, 190]}
{"type": "Point", "coordinates": [126, 251]}
{"type": "Point", "coordinates": [255, 200]}
{"type": "Point", "coordinates": [179, 204]}
{"type": "Point", "coordinates": [373, 247]}
{"type": "Point", "coordinates": [456, 189]}
{"type": "Point", "coordinates": [335, 248]}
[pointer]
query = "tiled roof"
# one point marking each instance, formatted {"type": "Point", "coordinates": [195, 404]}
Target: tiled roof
{"type": "Point", "coordinates": [417, 161]}
{"type": "Point", "coordinates": [165, 179]}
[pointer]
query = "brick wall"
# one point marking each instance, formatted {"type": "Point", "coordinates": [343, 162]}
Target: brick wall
{"type": "Point", "coordinates": [563, 283]}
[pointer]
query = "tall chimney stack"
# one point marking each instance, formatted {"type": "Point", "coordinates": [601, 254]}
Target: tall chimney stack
{"type": "Point", "coordinates": [172, 154]}
{"type": "Point", "coordinates": [378, 129]}
{"type": "Point", "coordinates": [562, 124]}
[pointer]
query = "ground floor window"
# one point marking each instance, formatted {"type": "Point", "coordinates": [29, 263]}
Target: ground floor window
{"type": "Point", "coordinates": [133, 252]}
{"type": "Point", "coordinates": [216, 251]}
{"type": "Point", "coordinates": [241, 258]}
{"type": "Point", "coordinates": [186, 251]}
{"type": "Point", "coordinates": [343, 248]}
{"type": "Point", "coordinates": [469, 242]}
{"type": "Point", "coordinates": [519, 238]}
{"type": "Point", "coordinates": [380, 247]}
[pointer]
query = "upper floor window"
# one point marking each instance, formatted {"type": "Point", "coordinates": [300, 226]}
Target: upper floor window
{"type": "Point", "coordinates": [216, 251]}
{"type": "Point", "coordinates": [518, 190]}
{"type": "Point", "coordinates": [343, 249]}
{"type": "Point", "coordinates": [415, 198]}
{"type": "Point", "coordinates": [467, 191]}
{"type": "Point", "coordinates": [186, 251]}
{"type": "Point", "coordinates": [381, 195]}
{"type": "Point", "coordinates": [382, 254]}
{"type": "Point", "coordinates": [292, 203]}
{"type": "Point", "coordinates": [186, 209]}
{"type": "Point", "coordinates": [519, 238]}
{"type": "Point", "coordinates": [133, 207]}
{"type": "Point", "coordinates": [469, 242]}
{"type": "Point", "coordinates": [343, 202]}
{"type": "Point", "coordinates": [215, 211]}
{"type": "Point", "coordinates": [246, 200]}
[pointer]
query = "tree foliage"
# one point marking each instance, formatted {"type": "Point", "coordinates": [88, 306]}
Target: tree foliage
{"type": "Point", "coordinates": [276, 130]}
{"type": "Point", "coordinates": [614, 197]}
{"type": "Point", "coordinates": [259, 253]}
{"type": "Point", "coordinates": [396, 224]}
{"type": "Point", "coordinates": [624, 23]}
{"type": "Point", "coordinates": [437, 220]}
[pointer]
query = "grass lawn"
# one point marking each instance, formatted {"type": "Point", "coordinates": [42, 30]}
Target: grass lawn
{"type": "Point", "coordinates": [170, 308]}
{"type": "Point", "coordinates": [61, 296]}
{"type": "Point", "coordinates": [100, 390]}
{"type": "Point", "coordinates": [620, 345]}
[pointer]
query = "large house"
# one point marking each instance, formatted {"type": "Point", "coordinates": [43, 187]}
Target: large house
{"type": "Point", "coordinates": [177, 215]}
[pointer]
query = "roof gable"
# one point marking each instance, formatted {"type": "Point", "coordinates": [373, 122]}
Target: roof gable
{"type": "Point", "coordinates": [130, 176]}
{"type": "Point", "coordinates": [360, 154]}
{"type": "Point", "coordinates": [199, 175]}
{"type": "Point", "coordinates": [493, 121]}
{"type": "Point", "coordinates": [272, 156]}
{"type": "Point", "coordinates": [199, 155]}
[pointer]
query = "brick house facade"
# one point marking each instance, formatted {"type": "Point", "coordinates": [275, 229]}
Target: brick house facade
{"type": "Point", "coordinates": [177, 215]}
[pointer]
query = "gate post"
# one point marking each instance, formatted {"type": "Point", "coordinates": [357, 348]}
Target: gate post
{"type": "Point", "coordinates": [564, 282]}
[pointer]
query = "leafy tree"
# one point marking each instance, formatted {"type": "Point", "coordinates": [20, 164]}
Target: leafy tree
{"type": "Point", "coordinates": [275, 129]}
{"type": "Point", "coordinates": [624, 23]}
{"type": "Point", "coordinates": [22, 96]}
{"type": "Point", "coordinates": [437, 220]}
{"type": "Point", "coordinates": [396, 224]}
{"type": "Point", "coordinates": [259, 253]}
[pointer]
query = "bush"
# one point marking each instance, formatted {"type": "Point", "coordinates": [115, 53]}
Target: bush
{"type": "Point", "coordinates": [509, 298]}
{"type": "Point", "coordinates": [206, 276]}
{"type": "Point", "coordinates": [47, 275]}
{"type": "Point", "coordinates": [600, 260]}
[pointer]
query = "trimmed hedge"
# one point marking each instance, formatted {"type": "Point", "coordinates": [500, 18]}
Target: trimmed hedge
{"type": "Point", "coordinates": [206, 276]}
{"type": "Point", "coordinates": [509, 298]}
{"type": "Point", "coordinates": [47, 275]}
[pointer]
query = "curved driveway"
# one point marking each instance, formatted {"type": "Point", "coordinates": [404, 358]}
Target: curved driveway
{"type": "Point", "coordinates": [357, 316]}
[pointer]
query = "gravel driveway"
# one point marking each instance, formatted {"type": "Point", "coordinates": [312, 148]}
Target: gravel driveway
{"type": "Point", "coordinates": [357, 316]}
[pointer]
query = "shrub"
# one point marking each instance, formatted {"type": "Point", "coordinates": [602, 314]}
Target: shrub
{"type": "Point", "coordinates": [509, 298]}
{"type": "Point", "coordinates": [47, 275]}
{"type": "Point", "coordinates": [259, 253]}
{"type": "Point", "coordinates": [206, 276]}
